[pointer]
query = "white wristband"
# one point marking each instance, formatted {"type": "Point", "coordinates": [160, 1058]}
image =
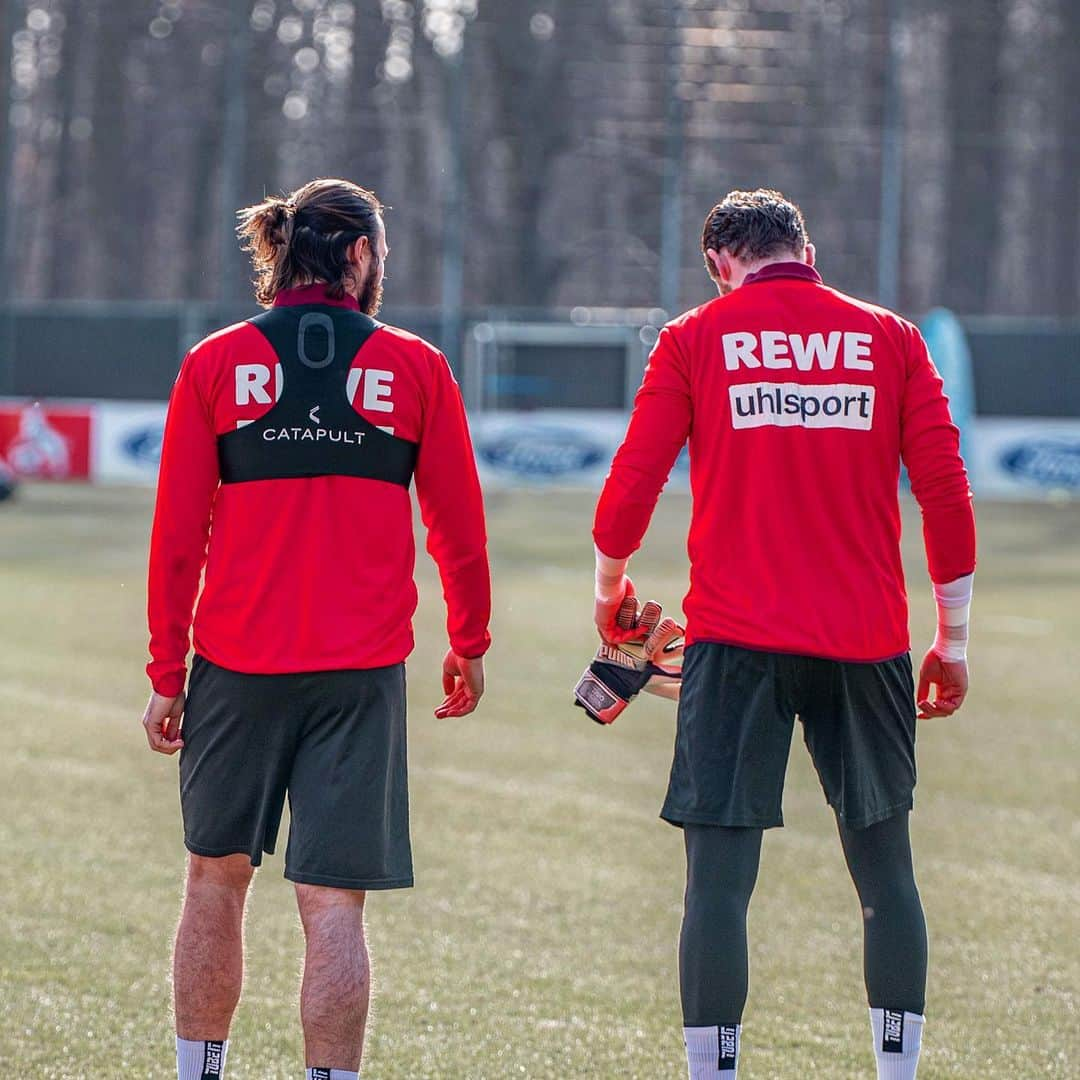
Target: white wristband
{"type": "Point", "coordinates": [610, 576]}
{"type": "Point", "coordinates": [953, 601]}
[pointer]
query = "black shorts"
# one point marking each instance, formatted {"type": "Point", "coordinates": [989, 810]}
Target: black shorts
{"type": "Point", "coordinates": [736, 715]}
{"type": "Point", "coordinates": [334, 741]}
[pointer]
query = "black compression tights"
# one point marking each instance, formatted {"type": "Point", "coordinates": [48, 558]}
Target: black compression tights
{"type": "Point", "coordinates": [894, 929]}
{"type": "Point", "coordinates": [722, 867]}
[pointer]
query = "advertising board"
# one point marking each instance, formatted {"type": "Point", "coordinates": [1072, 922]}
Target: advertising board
{"type": "Point", "coordinates": [46, 441]}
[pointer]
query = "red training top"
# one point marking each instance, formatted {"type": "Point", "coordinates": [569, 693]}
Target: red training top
{"type": "Point", "coordinates": [316, 573]}
{"type": "Point", "coordinates": [799, 403]}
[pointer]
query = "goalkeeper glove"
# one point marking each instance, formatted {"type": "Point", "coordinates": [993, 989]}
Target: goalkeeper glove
{"type": "Point", "coordinates": [647, 661]}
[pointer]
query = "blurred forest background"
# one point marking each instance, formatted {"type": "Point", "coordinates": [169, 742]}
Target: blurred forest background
{"type": "Point", "coordinates": [551, 143]}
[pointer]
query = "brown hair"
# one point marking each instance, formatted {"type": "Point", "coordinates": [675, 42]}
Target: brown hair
{"type": "Point", "coordinates": [305, 237]}
{"type": "Point", "coordinates": [755, 225]}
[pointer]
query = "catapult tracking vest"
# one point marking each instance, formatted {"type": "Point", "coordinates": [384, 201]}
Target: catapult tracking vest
{"type": "Point", "coordinates": [313, 429]}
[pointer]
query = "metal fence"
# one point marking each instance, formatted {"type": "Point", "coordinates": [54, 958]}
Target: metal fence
{"type": "Point", "coordinates": [511, 359]}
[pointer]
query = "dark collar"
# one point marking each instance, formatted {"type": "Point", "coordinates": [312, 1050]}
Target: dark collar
{"type": "Point", "coordinates": [314, 294]}
{"type": "Point", "coordinates": [784, 269]}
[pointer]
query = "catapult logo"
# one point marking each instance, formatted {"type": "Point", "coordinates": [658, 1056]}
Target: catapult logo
{"type": "Point", "coordinates": [541, 451]}
{"type": "Point", "coordinates": [1047, 463]}
{"type": "Point", "coordinates": [315, 434]}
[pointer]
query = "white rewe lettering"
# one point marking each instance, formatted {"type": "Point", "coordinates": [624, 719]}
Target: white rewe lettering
{"type": "Point", "coordinates": [251, 380]}
{"type": "Point", "coordinates": [814, 348]}
{"type": "Point", "coordinates": [377, 390]}
{"type": "Point", "coordinates": [739, 349]}
{"type": "Point", "coordinates": [352, 383]}
{"type": "Point", "coordinates": [856, 348]}
{"type": "Point", "coordinates": [776, 349]}
{"type": "Point", "coordinates": [376, 385]}
{"type": "Point", "coordinates": [768, 404]}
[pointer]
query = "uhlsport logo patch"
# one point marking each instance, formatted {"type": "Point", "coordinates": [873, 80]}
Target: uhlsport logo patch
{"type": "Point", "coordinates": [769, 404]}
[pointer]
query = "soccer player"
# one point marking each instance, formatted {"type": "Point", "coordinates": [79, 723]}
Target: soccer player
{"type": "Point", "coordinates": [799, 404]}
{"type": "Point", "coordinates": [290, 446]}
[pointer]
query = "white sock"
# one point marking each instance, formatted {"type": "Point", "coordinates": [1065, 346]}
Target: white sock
{"type": "Point", "coordinates": [712, 1053]}
{"type": "Point", "coordinates": [897, 1042]}
{"type": "Point", "coordinates": [331, 1074]}
{"type": "Point", "coordinates": [200, 1059]}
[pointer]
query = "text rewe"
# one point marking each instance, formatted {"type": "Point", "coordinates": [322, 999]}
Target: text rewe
{"type": "Point", "coordinates": [776, 350]}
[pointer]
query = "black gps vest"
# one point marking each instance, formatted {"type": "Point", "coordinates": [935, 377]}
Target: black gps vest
{"type": "Point", "coordinates": [312, 429]}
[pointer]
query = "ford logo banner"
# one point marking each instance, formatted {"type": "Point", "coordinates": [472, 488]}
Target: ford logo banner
{"type": "Point", "coordinates": [143, 446]}
{"type": "Point", "coordinates": [541, 451]}
{"type": "Point", "coordinates": [1049, 463]}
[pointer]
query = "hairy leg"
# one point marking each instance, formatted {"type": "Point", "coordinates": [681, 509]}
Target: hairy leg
{"type": "Point", "coordinates": [721, 870]}
{"type": "Point", "coordinates": [894, 928]}
{"type": "Point", "coordinates": [337, 976]}
{"type": "Point", "coordinates": [208, 962]}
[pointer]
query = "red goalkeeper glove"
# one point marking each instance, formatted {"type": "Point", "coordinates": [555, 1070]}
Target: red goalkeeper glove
{"type": "Point", "coordinates": [648, 659]}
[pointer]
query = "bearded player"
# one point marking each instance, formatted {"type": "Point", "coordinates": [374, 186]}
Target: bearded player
{"type": "Point", "coordinates": [799, 403]}
{"type": "Point", "coordinates": [290, 446]}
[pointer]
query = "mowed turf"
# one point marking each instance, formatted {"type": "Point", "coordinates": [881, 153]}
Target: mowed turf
{"type": "Point", "coordinates": [540, 939]}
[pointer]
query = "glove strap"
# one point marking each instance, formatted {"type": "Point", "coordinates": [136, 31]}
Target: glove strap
{"type": "Point", "coordinates": [598, 699]}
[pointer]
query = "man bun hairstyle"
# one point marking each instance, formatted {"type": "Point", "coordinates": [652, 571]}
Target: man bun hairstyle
{"type": "Point", "coordinates": [304, 237]}
{"type": "Point", "coordinates": [755, 225]}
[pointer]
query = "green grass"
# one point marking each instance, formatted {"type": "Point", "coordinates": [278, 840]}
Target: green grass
{"type": "Point", "coordinates": [540, 939]}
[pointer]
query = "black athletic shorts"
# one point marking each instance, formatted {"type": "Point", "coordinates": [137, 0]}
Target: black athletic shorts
{"type": "Point", "coordinates": [736, 714]}
{"type": "Point", "coordinates": [333, 741]}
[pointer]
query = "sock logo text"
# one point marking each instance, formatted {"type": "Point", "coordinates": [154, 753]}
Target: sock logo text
{"type": "Point", "coordinates": [892, 1038]}
{"type": "Point", "coordinates": [212, 1060]}
{"type": "Point", "coordinates": [729, 1046]}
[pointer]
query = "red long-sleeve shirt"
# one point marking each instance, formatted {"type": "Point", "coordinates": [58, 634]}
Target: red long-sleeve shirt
{"type": "Point", "coordinates": [799, 404]}
{"type": "Point", "coordinates": [316, 573]}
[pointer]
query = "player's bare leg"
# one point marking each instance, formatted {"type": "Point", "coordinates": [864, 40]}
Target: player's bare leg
{"type": "Point", "coordinates": [337, 980]}
{"type": "Point", "coordinates": [208, 962]}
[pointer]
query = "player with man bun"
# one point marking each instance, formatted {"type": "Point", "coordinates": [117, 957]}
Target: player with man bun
{"type": "Point", "coordinates": [291, 444]}
{"type": "Point", "coordinates": [799, 404]}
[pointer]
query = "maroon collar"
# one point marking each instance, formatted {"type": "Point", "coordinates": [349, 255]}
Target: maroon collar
{"type": "Point", "coordinates": [314, 294]}
{"type": "Point", "coordinates": [790, 269]}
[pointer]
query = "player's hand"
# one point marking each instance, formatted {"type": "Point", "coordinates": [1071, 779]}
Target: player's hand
{"type": "Point", "coordinates": [651, 661]}
{"type": "Point", "coordinates": [950, 678]}
{"type": "Point", "coordinates": [463, 685]}
{"type": "Point", "coordinates": [162, 722]}
{"type": "Point", "coordinates": [606, 612]}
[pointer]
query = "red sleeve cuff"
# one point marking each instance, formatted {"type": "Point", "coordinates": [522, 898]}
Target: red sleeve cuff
{"type": "Point", "coordinates": [167, 683]}
{"type": "Point", "coordinates": [471, 648]}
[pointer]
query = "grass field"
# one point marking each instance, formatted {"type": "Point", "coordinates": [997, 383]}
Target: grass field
{"type": "Point", "coordinates": [539, 941]}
